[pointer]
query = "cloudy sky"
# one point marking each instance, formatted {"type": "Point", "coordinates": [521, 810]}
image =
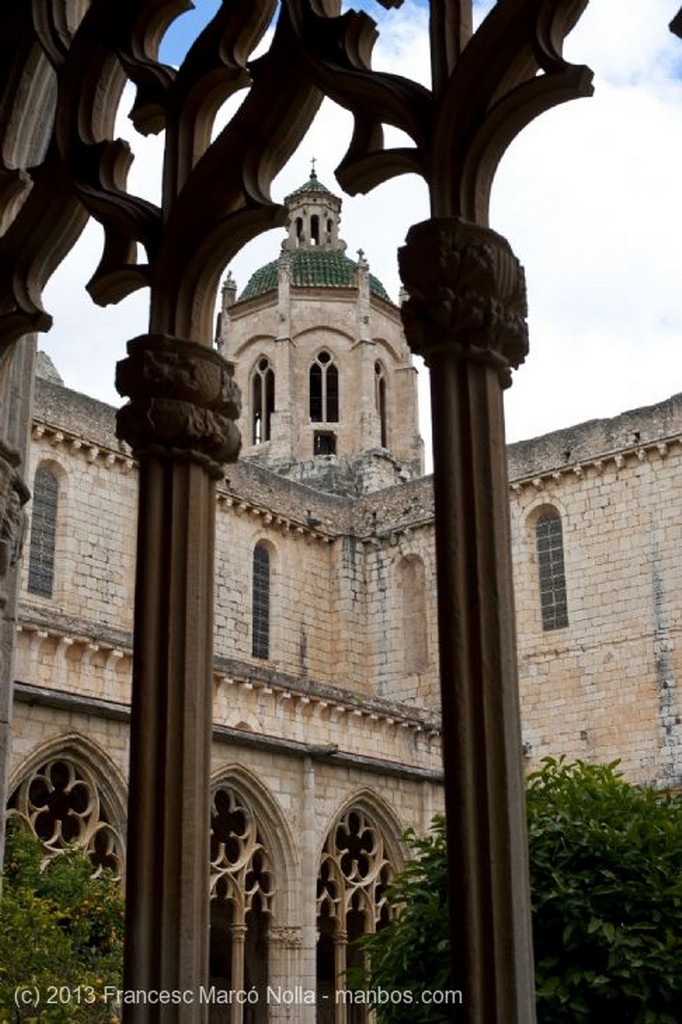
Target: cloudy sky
{"type": "Point", "coordinates": [588, 197]}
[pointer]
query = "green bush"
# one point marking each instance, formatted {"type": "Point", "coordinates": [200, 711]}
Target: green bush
{"type": "Point", "coordinates": [61, 936]}
{"type": "Point", "coordinates": [606, 881]}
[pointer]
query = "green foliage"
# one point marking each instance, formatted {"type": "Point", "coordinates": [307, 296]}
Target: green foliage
{"type": "Point", "coordinates": [606, 877]}
{"type": "Point", "coordinates": [606, 880]}
{"type": "Point", "coordinates": [410, 955]}
{"type": "Point", "coordinates": [61, 936]}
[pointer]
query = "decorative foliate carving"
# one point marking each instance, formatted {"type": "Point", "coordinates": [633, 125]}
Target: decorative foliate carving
{"type": "Point", "coordinates": [60, 803]}
{"type": "Point", "coordinates": [240, 862]}
{"type": "Point", "coordinates": [467, 294]}
{"type": "Point", "coordinates": [13, 496]}
{"type": "Point", "coordinates": [287, 936]}
{"type": "Point", "coordinates": [183, 400]}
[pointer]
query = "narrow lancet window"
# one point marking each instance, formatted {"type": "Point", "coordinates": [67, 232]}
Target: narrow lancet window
{"type": "Point", "coordinates": [260, 619]}
{"type": "Point", "coordinates": [43, 533]}
{"type": "Point", "coordinates": [380, 398]}
{"type": "Point", "coordinates": [552, 575]}
{"type": "Point", "coordinates": [324, 390]}
{"type": "Point", "coordinates": [262, 401]}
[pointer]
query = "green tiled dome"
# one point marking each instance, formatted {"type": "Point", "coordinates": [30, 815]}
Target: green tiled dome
{"type": "Point", "coordinates": [311, 268]}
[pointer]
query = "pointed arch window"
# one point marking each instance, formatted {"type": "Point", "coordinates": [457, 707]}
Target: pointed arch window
{"type": "Point", "coordinates": [60, 802]}
{"type": "Point", "coordinates": [551, 570]}
{"type": "Point", "coordinates": [41, 559]}
{"type": "Point", "coordinates": [260, 611]}
{"type": "Point", "coordinates": [241, 898]}
{"type": "Point", "coordinates": [324, 389]}
{"type": "Point", "coordinates": [351, 901]}
{"type": "Point", "coordinates": [380, 400]}
{"type": "Point", "coordinates": [262, 401]}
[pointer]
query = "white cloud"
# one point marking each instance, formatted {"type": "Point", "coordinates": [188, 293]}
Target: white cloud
{"type": "Point", "coordinates": [586, 196]}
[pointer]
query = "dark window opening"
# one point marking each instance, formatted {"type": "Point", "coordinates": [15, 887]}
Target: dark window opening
{"type": "Point", "coordinates": [551, 571]}
{"type": "Point", "coordinates": [380, 395]}
{"type": "Point", "coordinates": [260, 618]}
{"type": "Point", "coordinates": [324, 390]}
{"type": "Point", "coordinates": [43, 533]}
{"type": "Point", "coordinates": [299, 229]}
{"type": "Point", "coordinates": [324, 442]}
{"type": "Point", "coordinates": [315, 229]}
{"type": "Point", "coordinates": [262, 401]}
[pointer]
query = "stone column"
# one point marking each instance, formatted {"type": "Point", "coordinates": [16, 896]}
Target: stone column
{"type": "Point", "coordinates": [179, 423]}
{"type": "Point", "coordinates": [238, 933]}
{"type": "Point", "coordinates": [16, 398]}
{"type": "Point", "coordinates": [466, 317]}
{"type": "Point", "coordinates": [341, 982]}
{"type": "Point", "coordinates": [285, 972]}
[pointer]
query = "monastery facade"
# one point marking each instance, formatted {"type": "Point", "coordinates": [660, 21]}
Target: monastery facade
{"type": "Point", "coordinates": [326, 742]}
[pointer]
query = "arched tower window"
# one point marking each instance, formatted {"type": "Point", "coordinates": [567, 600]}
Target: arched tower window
{"type": "Point", "coordinates": [315, 229]}
{"type": "Point", "coordinates": [262, 401]}
{"type": "Point", "coordinates": [43, 533]}
{"type": "Point", "coordinates": [380, 400]}
{"type": "Point", "coordinates": [324, 389]}
{"type": "Point", "coordinates": [351, 885]}
{"type": "Point", "coordinates": [241, 899]}
{"type": "Point", "coordinates": [260, 608]}
{"type": "Point", "coordinates": [60, 802]}
{"type": "Point", "coordinates": [552, 575]}
{"type": "Point", "coordinates": [413, 588]}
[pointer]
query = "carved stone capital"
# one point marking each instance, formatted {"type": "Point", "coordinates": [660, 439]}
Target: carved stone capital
{"type": "Point", "coordinates": [183, 401]}
{"type": "Point", "coordinates": [13, 496]}
{"type": "Point", "coordinates": [467, 294]}
{"type": "Point", "coordinates": [286, 936]}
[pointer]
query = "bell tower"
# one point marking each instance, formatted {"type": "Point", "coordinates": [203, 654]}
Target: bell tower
{"type": "Point", "coordinates": [329, 389]}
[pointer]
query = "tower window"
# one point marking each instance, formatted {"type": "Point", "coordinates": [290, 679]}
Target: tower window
{"type": "Point", "coordinates": [380, 398]}
{"type": "Point", "coordinates": [43, 533]}
{"type": "Point", "coordinates": [262, 401]}
{"type": "Point", "coordinates": [324, 390]}
{"type": "Point", "coordinates": [552, 576]}
{"type": "Point", "coordinates": [260, 617]}
{"type": "Point", "coordinates": [315, 229]}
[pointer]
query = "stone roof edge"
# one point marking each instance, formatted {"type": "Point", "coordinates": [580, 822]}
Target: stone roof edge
{"type": "Point", "coordinates": [620, 456]}
{"type": "Point", "coordinates": [234, 673]}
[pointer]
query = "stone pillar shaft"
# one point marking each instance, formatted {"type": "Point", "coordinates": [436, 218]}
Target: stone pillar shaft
{"type": "Point", "coordinates": [179, 424]}
{"type": "Point", "coordinates": [466, 317]}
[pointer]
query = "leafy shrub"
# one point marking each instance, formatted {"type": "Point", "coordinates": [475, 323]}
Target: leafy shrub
{"type": "Point", "coordinates": [61, 936]}
{"type": "Point", "coordinates": [606, 881]}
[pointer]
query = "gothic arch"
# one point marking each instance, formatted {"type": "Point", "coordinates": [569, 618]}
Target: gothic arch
{"type": "Point", "coordinates": [275, 829]}
{"type": "Point", "coordinates": [70, 790]}
{"type": "Point", "coordinates": [252, 860]}
{"type": "Point", "coordinates": [359, 856]}
{"type": "Point", "coordinates": [378, 808]}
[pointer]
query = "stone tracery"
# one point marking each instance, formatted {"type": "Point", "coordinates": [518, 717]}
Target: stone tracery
{"type": "Point", "coordinates": [59, 801]}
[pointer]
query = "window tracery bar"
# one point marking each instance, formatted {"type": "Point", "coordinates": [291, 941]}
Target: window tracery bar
{"type": "Point", "coordinates": [351, 886]}
{"type": "Point", "coordinates": [241, 896]}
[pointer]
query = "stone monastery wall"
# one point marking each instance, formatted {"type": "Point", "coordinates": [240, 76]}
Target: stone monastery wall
{"type": "Point", "coordinates": [352, 658]}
